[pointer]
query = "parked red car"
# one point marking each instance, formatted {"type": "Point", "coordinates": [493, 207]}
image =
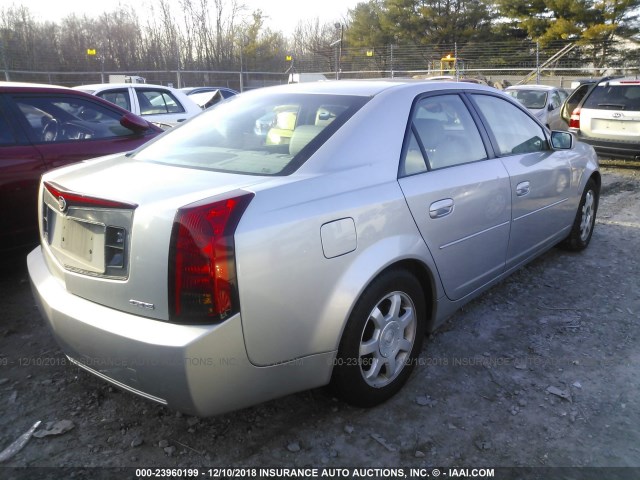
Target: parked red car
{"type": "Point", "coordinates": [43, 127]}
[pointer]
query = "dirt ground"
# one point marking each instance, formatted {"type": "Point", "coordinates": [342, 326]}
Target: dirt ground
{"type": "Point", "coordinates": [542, 370]}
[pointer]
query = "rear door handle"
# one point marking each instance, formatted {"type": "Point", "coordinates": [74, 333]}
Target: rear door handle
{"type": "Point", "coordinates": [522, 189]}
{"type": "Point", "coordinates": [441, 208]}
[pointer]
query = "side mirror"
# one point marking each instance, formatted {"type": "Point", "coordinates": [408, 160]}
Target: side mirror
{"type": "Point", "coordinates": [561, 140]}
{"type": "Point", "coordinates": [134, 122]}
{"type": "Point", "coordinates": [550, 107]}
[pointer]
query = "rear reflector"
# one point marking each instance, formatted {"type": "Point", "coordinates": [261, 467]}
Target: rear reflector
{"type": "Point", "coordinates": [202, 273]}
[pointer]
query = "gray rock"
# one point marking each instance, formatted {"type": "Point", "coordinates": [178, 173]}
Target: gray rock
{"type": "Point", "coordinates": [137, 441]}
{"type": "Point", "coordinates": [294, 447]}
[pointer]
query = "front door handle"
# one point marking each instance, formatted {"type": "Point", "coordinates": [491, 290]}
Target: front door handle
{"type": "Point", "coordinates": [441, 208]}
{"type": "Point", "coordinates": [522, 189]}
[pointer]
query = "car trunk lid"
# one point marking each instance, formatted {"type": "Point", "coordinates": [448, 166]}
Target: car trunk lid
{"type": "Point", "coordinates": [106, 227]}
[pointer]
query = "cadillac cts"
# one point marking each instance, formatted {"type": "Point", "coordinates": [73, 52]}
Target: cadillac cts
{"type": "Point", "coordinates": [299, 236]}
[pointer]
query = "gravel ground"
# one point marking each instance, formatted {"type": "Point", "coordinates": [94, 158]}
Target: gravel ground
{"type": "Point", "coordinates": [542, 370]}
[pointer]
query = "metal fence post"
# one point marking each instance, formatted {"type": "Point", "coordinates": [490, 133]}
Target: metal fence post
{"type": "Point", "coordinates": [4, 61]}
{"type": "Point", "coordinates": [537, 63]}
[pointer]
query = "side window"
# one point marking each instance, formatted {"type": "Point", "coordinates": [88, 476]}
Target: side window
{"type": "Point", "coordinates": [153, 102]}
{"type": "Point", "coordinates": [514, 130]}
{"type": "Point", "coordinates": [118, 97]}
{"type": "Point", "coordinates": [6, 135]}
{"type": "Point", "coordinates": [66, 118]}
{"type": "Point", "coordinates": [444, 133]}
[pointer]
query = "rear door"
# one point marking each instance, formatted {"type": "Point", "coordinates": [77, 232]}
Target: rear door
{"type": "Point", "coordinates": [540, 177]}
{"type": "Point", "coordinates": [458, 196]}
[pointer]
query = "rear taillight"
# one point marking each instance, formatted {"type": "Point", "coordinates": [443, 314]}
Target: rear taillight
{"type": "Point", "coordinates": [574, 121]}
{"type": "Point", "coordinates": [202, 272]}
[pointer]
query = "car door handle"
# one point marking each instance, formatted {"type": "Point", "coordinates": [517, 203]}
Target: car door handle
{"type": "Point", "coordinates": [181, 120]}
{"type": "Point", "coordinates": [441, 208]}
{"type": "Point", "coordinates": [522, 189]}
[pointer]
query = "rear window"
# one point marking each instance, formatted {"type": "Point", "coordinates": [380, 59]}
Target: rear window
{"type": "Point", "coordinates": [614, 97]}
{"type": "Point", "coordinates": [262, 134]}
{"type": "Point", "coordinates": [533, 99]}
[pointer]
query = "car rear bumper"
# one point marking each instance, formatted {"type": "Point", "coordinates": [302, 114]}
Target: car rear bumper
{"type": "Point", "coordinates": [612, 148]}
{"type": "Point", "coordinates": [201, 370]}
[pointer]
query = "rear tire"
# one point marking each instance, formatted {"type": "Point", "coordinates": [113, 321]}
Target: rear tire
{"type": "Point", "coordinates": [382, 340]}
{"type": "Point", "coordinates": [585, 220]}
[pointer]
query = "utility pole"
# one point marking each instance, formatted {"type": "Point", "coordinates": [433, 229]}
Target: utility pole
{"type": "Point", "coordinates": [338, 45]}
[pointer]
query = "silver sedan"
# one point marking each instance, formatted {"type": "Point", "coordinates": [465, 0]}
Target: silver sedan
{"type": "Point", "coordinates": [222, 265]}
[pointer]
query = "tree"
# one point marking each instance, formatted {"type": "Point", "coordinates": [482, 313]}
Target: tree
{"type": "Point", "coordinates": [437, 22]}
{"type": "Point", "coordinates": [592, 23]}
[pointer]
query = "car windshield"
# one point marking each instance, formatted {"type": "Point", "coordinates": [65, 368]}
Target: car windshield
{"type": "Point", "coordinates": [262, 134]}
{"type": "Point", "coordinates": [532, 99]}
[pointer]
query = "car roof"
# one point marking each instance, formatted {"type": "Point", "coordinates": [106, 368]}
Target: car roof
{"type": "Point", "coordinates": [26, 86]}
{"type": "Point", "coordinates": [632, 80]}
{"type": "Point", "coordinates": [532, 87]}
{"type": "Point", "coordinates": [100, 86]}
{"type": "Point", "coordinates": [369, 87]}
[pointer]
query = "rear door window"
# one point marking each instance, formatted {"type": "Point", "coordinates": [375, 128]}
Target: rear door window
{"type": "Point", "coordinates": [443, 134]}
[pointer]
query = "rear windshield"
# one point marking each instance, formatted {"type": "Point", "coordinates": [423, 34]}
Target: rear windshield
{"type": "Point", "coordinates": [614, 97]}
{"type": "Point", "coordinates": [260, 134]}
{"type": "Point", "coordinates": [533, 99]}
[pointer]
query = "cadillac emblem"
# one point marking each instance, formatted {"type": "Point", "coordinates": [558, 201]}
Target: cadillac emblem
{"type": "Point", "coordinates": [62, 204]}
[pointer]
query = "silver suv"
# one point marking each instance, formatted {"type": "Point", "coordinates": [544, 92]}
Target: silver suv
{"type": "Point", "coordinates": [608, 117]}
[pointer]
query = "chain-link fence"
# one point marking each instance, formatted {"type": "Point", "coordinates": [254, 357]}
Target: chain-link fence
{"type": "Point", "coordinates": [498, 63]}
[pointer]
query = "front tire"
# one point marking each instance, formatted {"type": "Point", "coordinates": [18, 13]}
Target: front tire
{"type": "Point", "coordinates": [585, 220]}
{"type": "Point", "coordinates": [382, 340]}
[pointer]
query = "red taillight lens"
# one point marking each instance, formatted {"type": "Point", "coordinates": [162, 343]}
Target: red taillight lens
{"type": "Point", "coordinates": [574, 121]}
{"type": "Point", "coordinates": [202, 272]}
{"type": "Point", "coordinates": [80, 200]}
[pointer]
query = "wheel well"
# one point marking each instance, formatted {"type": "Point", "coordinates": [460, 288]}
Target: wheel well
{"type": "Point", "coordinates": [425, 277]}
{"type": "Point", "coordinates": [598, 179]}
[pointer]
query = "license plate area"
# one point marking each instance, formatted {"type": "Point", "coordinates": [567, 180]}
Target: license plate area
{"type": "Point", "coordinates": [80, 244]}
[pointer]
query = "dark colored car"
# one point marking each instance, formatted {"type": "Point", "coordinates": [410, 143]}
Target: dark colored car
{"type": "Point", "coordinates": [44, 127]}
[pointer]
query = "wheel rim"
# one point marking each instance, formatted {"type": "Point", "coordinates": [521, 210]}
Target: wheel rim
{"type": "Point", "coordinates": [586, 223]}
{"type": "Point", "coordinates": [387, 339]}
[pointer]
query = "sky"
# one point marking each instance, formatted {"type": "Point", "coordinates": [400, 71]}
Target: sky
{"type": "Point", "coordinates": [283, 15]}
